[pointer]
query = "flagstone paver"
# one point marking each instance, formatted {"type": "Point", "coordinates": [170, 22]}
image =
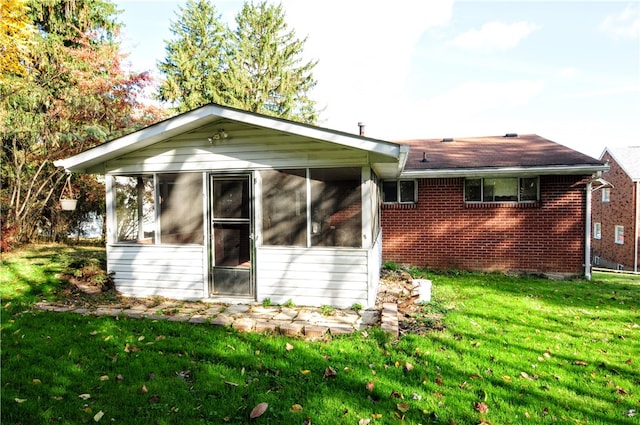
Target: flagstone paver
{"type": "Point", "coordinates": [308, 322]}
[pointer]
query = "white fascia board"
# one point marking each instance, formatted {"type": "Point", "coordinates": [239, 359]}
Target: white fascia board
{"type": "Point", "coordinates": [198, 117]}
{"type": "Point", "coordinates": [354, 141]}
{"type": "Point", "coordinates": [506, 171]}
{"type": "Point", "coordinates": [136, 140]}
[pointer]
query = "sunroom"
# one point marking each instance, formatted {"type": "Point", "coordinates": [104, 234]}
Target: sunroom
{"type": "Point", "coordinates": [238, 207]}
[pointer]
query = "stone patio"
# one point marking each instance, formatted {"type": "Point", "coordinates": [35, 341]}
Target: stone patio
{"type": "Point", "coordinates": [306, 322]}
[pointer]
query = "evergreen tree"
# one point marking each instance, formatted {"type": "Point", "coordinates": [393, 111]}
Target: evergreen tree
{"type": "Point", "coordinates": [195, 58]}
{"type": "Point", "coordinates": [266, 71]}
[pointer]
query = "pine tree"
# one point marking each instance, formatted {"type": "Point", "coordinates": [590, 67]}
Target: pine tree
{"type": "Point", "coordinates": [266, 72]}
{"type": "Point", "coordinates": [195, 57]}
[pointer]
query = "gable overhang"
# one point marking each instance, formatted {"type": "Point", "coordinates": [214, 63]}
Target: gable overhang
{"type": "Point", "coordinates": [585, 169]}
{"type": "Point", "coordinates": [381, 152]}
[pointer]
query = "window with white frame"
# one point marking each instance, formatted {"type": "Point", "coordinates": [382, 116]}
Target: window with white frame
{"type": "Point", "coordinates": [619, 235]}
{"type": "Point", "coordinates": [606, 194]}
{"type": "Point", "coordinates": [502, 189]}
{"type": "Point", "coordinates": [399, 191]}
{"type": "Point", "coordinates": [597, 230]}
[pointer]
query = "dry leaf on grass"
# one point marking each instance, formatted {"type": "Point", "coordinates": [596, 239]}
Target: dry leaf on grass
{"type": "Point", "coordinates": [481, 407]}
{"type": "Point", "coordinates": [289, 347]}
{"type": "Point", "coordinates": [258, 410]}
{"type": "Point", "coordinates": [330, 372]}
{"type": "Point", "coordinates": [98, 416]}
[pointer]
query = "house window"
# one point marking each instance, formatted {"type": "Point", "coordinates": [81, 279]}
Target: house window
{"type": "Point", "coordinates": [502, 189]}
{"type": "Point", "coordinates": [135, 209]}
{"type": "Point", "coordinates": [606, 194]}
{"type": "Point", "coordinates": [314, 207]}
{"type": "Point", "coordinates": [597, 230]}
{"type": "Point", "coordinates": [619, 235]}
{"type": "Point", "coordinates": [169, 212]}
{"type": "Point", "coordinates": [399, 191]}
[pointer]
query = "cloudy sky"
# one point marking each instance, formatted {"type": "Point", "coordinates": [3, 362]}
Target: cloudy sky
{"type": "Point", "coordinates": [568, 71]}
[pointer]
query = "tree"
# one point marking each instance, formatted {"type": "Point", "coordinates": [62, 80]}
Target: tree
{"type": "Point", "coordinates": [257, 67]}
{"type": "Point", "coordinates": [195, 58]}
{"type": "Point", "coordinates": [75, 95]}
{"type": "Point", "coordinates": [266, 71]}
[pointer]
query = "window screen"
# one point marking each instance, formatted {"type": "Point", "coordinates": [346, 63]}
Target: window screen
{"type": "Point", "coordinates": [180, 208]}
{"type": "Point", "coordinates": [135, 210]}
{"type": "Point", "coordinates": [284, 207]}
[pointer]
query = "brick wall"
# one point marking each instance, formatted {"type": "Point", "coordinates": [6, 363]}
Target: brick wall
{"type": "Point", "coordinates": [619, 211]}
{"type": "Point", "coordinates": [443, 232]}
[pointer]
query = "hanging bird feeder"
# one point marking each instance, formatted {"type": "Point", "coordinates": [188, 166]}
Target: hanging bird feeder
{"type": "Point", "coordinates": [67, 201]}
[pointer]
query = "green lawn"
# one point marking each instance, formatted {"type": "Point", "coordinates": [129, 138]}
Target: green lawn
{"type": "Point", "coordinates": [514, 351]}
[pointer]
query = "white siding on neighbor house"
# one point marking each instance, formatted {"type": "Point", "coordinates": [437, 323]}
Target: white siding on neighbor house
{"type": "Point", "coordinates": [158, 270]}
{"type": "Point", "coordinates": [313, 276]}
{"type": "Point", "coordinates": [245, 149]}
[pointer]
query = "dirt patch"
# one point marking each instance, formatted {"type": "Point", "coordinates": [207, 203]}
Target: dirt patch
{"type": "Point", "coordinates": [413, 317]}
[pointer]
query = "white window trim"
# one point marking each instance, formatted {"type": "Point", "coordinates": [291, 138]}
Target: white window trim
{"type": "Point", "coordinates": [500, 202]}
{"type": "Point", "coordinates": [619, 235]}
{"type": "Point", "coordinates": [398, 197]}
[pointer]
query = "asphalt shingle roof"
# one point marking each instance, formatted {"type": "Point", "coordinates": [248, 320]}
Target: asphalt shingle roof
{"type": "Point", "coordinates": [528, 150]}
{"type": "Point", "coordinates": [628, 158]}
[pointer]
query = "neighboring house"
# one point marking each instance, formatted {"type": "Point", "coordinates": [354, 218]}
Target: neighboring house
{"type": "Point", "coordinates": [234, 206]}
{"type": "Point", "coordinates": [616, 210]}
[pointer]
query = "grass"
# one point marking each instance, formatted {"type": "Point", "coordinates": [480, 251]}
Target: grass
{"type": "Point", "coordinates": [515, 351]}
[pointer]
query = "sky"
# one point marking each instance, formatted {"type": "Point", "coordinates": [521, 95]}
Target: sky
{"type": "Point", "coordinates": [568, 71]}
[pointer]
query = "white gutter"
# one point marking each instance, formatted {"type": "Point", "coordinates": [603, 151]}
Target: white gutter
{"type": "Point", "coordinates": [587, 234]}
{"type": "Point", "coordinates": [515, 171]}
{"type": "Point", "coordinates": [635, 257]}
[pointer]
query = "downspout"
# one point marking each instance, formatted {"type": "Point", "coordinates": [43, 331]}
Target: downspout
{"type": "Point", "coordinates": [635, 257]}
{"type": "Point", "coordinates": [587, 235]}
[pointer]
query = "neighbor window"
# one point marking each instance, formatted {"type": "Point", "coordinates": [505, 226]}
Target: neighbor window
{"type": "Point", "coordinates": [619, 235]}
{"type": "Point", "coordinates": [169, 212]}
{"type": "Point", "coordinates": [606, 194]}
{"type": "Point", "coordinates": [135, 209]}
{"type": "Point", "coordinates": [399, 191]}
{"type": "Point", "coordinates": [597, 230]}
{"type": "Point", "coordinates": [502, 189]}
{"type": "Point", "coordinates": [312, 207]}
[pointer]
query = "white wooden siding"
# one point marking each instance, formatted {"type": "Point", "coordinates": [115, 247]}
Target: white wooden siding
{"type": "Point", "coordinates": [158, 270]}
{"type": "Point", "coordinates": [313, 276]}
{"type": "Point", "coordinates": [244, 150]}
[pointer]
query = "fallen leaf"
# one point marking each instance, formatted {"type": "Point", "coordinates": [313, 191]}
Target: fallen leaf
{"type": "Point", "coordinates": [233, 384]}
{"type": "Point", "coordinates": [475, 376]}
{"type": "Point", "coordinates": [85, 396]}
{"type": "Point", "coordinates": [629, 361]}
{"type": "Point", "coordinates": [160, 337]}
{"type": "Point", "coordinates": [296, 408]}
{"type": "Point", "coordinates": [20, 400]}
{"type": "Point", "coordinates": [104, 378]}
{"type": "Point", "coordinates": [506, 378]}
{"type": "Point", "coordinates": [416, 396]}
{"type": "Point", "coordinates": [141, 338]}
{"type": "Point", "coordinates": [364, 421]}
{"type": "Point", "coordinates": [403, 407]}
{"type": "Point", "coordinates": [396, 394]}
{"type": "Point", "coordinates": [330, 372]}
{"type": "Point", "coordinates": [376, 415]}
{"type": "Point", "coordinates": [439, 381]}
{"type": "Point", "coordinates": [305, 372]}
{"type": "Point", "coordinates": [408, 366]}
{"type": "Point", "coordinates": [580, 363]}
{"type": "Point", "coordinates": [36, 381]}
{"type": "Point", "coordinates": [119, 378]}
{"type": "Point", "coordinates": [524, 375]}
{"type": "Point", "coordinates": [289, 347]}
{"type": "Point", "coordinates": [144, 389]}
{"type": "Point", "coordinates": [98, 416]}
{"type": "Point", "coordinates": [481, 407]}
{"type": "Point", "coordinates": [369, 386]}
{"type": "Point", "coordinates": [258, 410]}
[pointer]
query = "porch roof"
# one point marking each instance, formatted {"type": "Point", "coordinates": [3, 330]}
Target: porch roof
{"type": "Point", "coordinates": [392, 155]}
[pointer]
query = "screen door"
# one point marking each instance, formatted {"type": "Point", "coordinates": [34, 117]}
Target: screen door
{"type": "Point", "coordinates": [231, 236]}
